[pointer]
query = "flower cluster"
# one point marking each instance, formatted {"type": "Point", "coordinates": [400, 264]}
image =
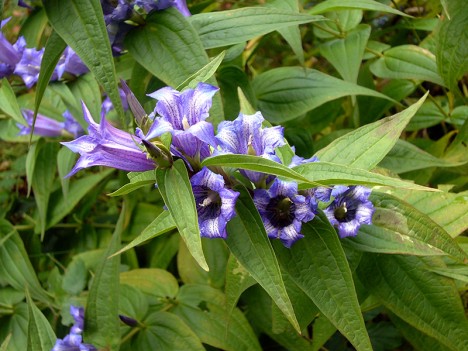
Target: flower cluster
{"type": "Point", "coordinates": [26, 62]}
{"type": "Point", "coordinates": [123, 15]}
{"type": "Point", "coordinates": [182, 115]}
{"type": "Point", "coordinates": [74, 341]}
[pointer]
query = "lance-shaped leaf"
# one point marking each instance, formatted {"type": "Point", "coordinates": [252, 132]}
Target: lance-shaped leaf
{"type": "Point", "coordinates": [366, 146]}
{"type": "Point", "coordinates": [175, 188]}
{"type": "Point", "coordinates": [249, 243]}
{"type": "Point", "coordinates": [421, 298]}
{"type": "Point", "coordinates": [41, 337]}
{"type": "Point", "coordinates": [137, 180]}
{"type": "Point", "coordinates": [399, 228]}
{"type": "Point", "coordinates": [102, 307]}
{"type": "Point", "coordinates": [162, 224]}
{"type": "Point", "coordinates": [16, 269]}
{"type": "Point", "coordinates": [85, 32]}
{"type": "Point", "coordinates": [333, 5]}
{"type": "Point", "coordinates": [203, 74]}
{"type": "Point", "coordinates": [224, 28]}
{"type": "Point", "coordinates": [8, 102]}
{"type": "Point", "coordinates": [288, 92]}
{"type": "Point", "coordinates": [318, 265]}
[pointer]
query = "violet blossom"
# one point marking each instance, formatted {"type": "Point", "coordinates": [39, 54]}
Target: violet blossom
{"type": "Point", "coordinates": [108, 146]}
{"type": "Point", "coordinates": [152, 5]}
{"type": "Point", "coordinates": [48, 127]}
{"type": "Point", "coordinates": [10, 54]}
{"type": "Point", "coordinates": [215, 203]}
{"type": "Point", "coordinates": [283, 211]}
{"type": "Point", "coordinates": [350, 209]}
{"type": "Point", "coordinates": [183, 114]}
{"type": "Point", "coordinates": [245, 135]}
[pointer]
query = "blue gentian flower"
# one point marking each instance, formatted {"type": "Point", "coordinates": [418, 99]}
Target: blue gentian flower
{"type": "Point", "coordinates": [152, 5]}
{"type": "Point", "coordinates": [283, 211]}
{"type": "Point", "coordinates": [108, 146]}
{"type": "Point", "coordinates": [350, 209]}
{"type": "Point", "coordinates": [215, 203]}
{"type": "Point", "coordinates": [183, 114]}
{"type": "Point", "coordinates": [71, 63]}
{"type": "Point", "coordinates": [10, 54]}
{"type": "Point", "coordinates": [29, 66]}
{"type": "Point", "coordinates": [49, 127]}
{"type": "Point", "coordinates": [74, 341]}
{"type": "Point", "coordinates": [246, 136]}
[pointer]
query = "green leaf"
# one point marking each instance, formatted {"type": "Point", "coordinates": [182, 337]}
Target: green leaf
{"type": "Point", "coordinates": [41, 337]}
{"type": "Point", "coordinates": [203, 74]}
{"type": "Point", "coordinates": [65, 161]}
{"type": "Point", "coordinates": [366, 146]}
{"type": "Point", "coordinates": [16, 268]}
{"type": "Point", "coordinates": [318, 265]}
{"type": "Point", "coordinates": [249, 243]}
{"type": "Point", "coordinates": [175, 188]}
{"type": "Point", "coordinates": [85, 89]}
{"type": "Point", "coordinates": [60, 206]}
{"type": "Point", "coordinates": [137, 180]}
{"type": "Point", "coordinates": [222, 28]}
{"type": "Point", "coordinates": [15, 328]}
{"type": "Point", "coordinates": [5, 343]}
{"type": "Point", "coordinates": [405, 157]}
{"type": "Point", "coordinates": [326, 173]}
{"type": "Point", "coordinates": [238, 280]}
{"type": "Point", "coordinates": [452, 45]}
{"type": "Point", "coordinates": [169, 48]}
{"type": "Point", "coordinates": [161, 224]}
{"type": "Point", "coordinates": [291, 34]}
{"type": "Point", "coordinates": [322, 330]}
{"type": "Point", "coordinates": [43, 180]}
{"type": "Point", "coordinates": [399, 228]}
{"type": "Point", "coordinates": [333, 5]}
{"type": "Point", "coordinates": [202, 308]}
{"type": "Point", "coordinates": [288, 92]}
{"type": "Point", "coordinates": [102, 306]}
{"type": "Point", "coordinates": [31, 161]}
{"type": "Point", "coordinates": [421, 298]}
{"type": "Point", "coordinates": [345, 54]}
{"type": "Point", "coordinates": [254, 163]}
{"type": "Point", "coordinates": [448, 210]}
{"type": "Point", "coordinates": [8, 102]}
{"type": "Point", "coordinates": [32, 29]}
{"type": "Point", "coordinates": [166, 331]}
{"type": "Point", "coordinates": [132, 302]}
{"type": "Point", "coordinates": [85, 32]}
{"type": "Point", "coordinates": [407, 62]}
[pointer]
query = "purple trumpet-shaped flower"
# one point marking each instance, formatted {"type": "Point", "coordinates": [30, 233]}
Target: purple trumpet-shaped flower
{"type": "Point", "coordinates": [115, 17]}
{"type": "Point", "coordinates": [283, 211]}
{"type": "Point", "coordinates": [183, 114]}
{"type": "Point", "coordinates": [245, 135]}
{"type": "Point", "coordinates": [350, 209]}
{"type": "Point", "coordinates": [152, 5]}
{"type": "Point", "coordinates": [29, 66]}
{"type": "Point", "coordinates": [48, 127]}
{"type": "Point", "coordinates": [10, 54]}
{"type": "Point", "coordinates": [71, 63]}
{"type": "Point", "coordinates": [108, 146]}
{"type": "Point", "coordinates": [215, 203]}
{"type": "Point", "coordinates": [74, 341]}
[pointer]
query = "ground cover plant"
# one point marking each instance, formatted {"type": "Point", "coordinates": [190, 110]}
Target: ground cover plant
{"type": "Point", "coordinates": [233, 175]}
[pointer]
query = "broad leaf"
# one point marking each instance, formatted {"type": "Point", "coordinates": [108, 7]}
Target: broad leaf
{"type": "Point", "coordinates": [452, 45]}
{"type": "Point", "coordinates": [318, 265]}
{"type": "Point", "coordinates": [333, 5]}
{"type": "Point", "coordinates": [288, 92]}
{"type": "Point", "coordinates": [366, 146]}
{"type": "Point", "coordinates": [8, 102]}
{"type": "Point", "coordinates": [407, 62]}
{"type": "Point", "coordinates": [102, 307]}
{"type": "Point", "coordinates": [345, 54]}
{"type": "Point", "coordinates": [202, 308]}
{"type": "Point", "coordinates": [85, 32]}
{"type": "Point", "coordinates": [249, 243]}
{"type": "Point", "coordinates": [421, 298]}
{"type": "Point", "coordinates": [175, 188]}
{"type": "Point", "coordinates": [222, 28]}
